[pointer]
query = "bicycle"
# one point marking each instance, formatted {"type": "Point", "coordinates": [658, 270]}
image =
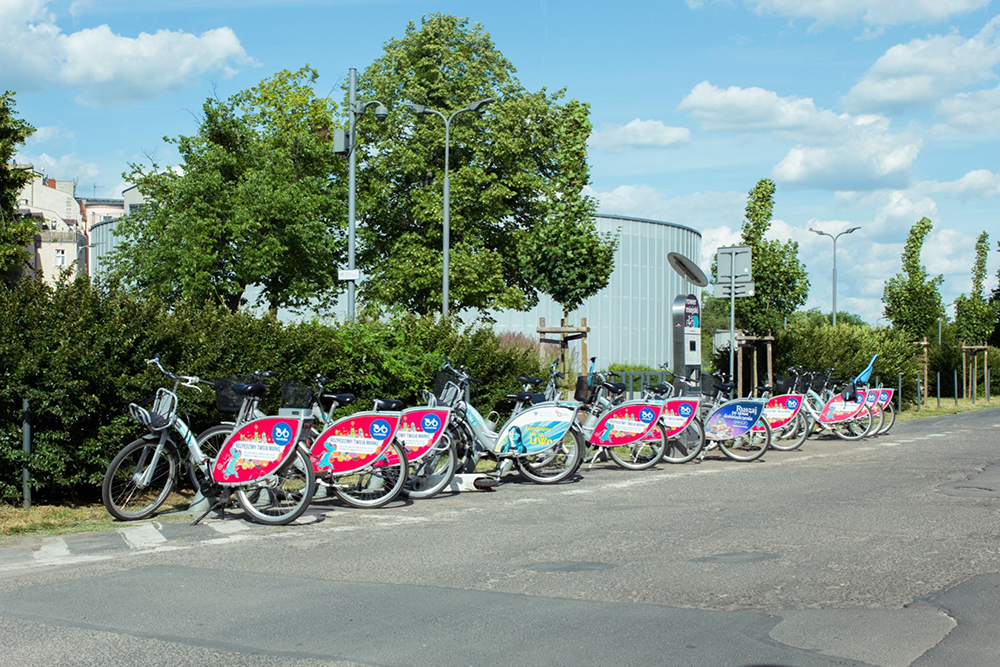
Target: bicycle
{"type": "Point", "coordinates": [542, 439]}
{"type": "Point", "coordinates": [679, 427]}
{"type": "Point", "coordinates": [267, 468]}
{"type": "Point", "coordinates": [730, 423]}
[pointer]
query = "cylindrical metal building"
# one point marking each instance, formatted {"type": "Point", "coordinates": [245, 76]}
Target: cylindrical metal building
{"type": "Point", "coordinates": [629, 319]}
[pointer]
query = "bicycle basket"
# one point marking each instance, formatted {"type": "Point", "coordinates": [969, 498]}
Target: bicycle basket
{"type": "Point", "coordinates": [226, 400]}
{"type": "Point", "coordinates": [782, 384]}
{"type": "Point", "coordinates": [582, 392]}
{"type": "Point", "coordinates": [801, 384]}
{"type": "Point", "coordinates": [818, 382]}
{"type": "Point", "coordinates": [296, 395]}
{"type": "Point", "coordinates": [162, 413]}
{"type": "Point", "coordinates": [708, 387]}
{"type": "Point", "coordinates": [446, 388]}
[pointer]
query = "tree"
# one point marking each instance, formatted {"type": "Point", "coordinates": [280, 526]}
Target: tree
{"type": "Point", "coordinates": [975, 316]}
{"type": "Point", "coordinates": [781, 284]}
{"type": "Point", "coordinates": [517, 178]}
{"type": "Point", "coordinates": [16, 230]}
{"type": "Point", "coordinates": [257, 201]}
{"type": "Point", "coordinates": [912, 300]}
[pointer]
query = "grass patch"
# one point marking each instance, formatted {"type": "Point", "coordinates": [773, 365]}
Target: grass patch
{"type": "Point", "coordinates": [61, 520]}
{"type": "Point", "coordinates": [948, 407]}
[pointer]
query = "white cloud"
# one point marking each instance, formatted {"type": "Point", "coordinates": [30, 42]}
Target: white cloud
{"type": "Point", "coordinates": [948, 252]}
{"type": "Point", "coordinates": [63, 168]}
{"type": "Point", "coordinates": [976, 183]}
{"type": "Point", "coordinates": [977, 110]}
{"type": "Point", "coordinates": [922, 70]}
{"type": "Point", "coordinates": [104, 66]}
{"type": "Point", "coordinates": [652, 133]}
{"type": "Point", "coordinates": [50, 132]}
{"type": "Point", "coordinates": [833, 151]}
{"type": "Point", "coordinates": [872, 12]}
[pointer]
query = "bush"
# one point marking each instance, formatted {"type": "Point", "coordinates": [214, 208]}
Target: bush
{"type": "Point", "coordinates": [76, 353]}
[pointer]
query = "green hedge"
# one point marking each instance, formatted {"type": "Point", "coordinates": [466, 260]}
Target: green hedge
{"type": "Point", "coordinates": [76, 353]}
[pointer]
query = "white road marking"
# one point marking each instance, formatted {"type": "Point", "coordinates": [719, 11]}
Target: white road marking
{"type": "Point", "coordinates": [577, 492]}
{"type": "Point", "coordinates": [936, 435]}
{"type": "Point", "coordinates": [143, 536]}
{"type": "Point", "coordinates": [228, 527]}
{"type": "Point", "coordinates": [888, 444]}
{"type": "Point", "coordinates": [51, 548]}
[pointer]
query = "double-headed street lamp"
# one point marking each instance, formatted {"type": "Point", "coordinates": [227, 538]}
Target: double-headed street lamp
{"type": "Point", "coordinates": [846, 231]}
{"type": "Point", "coordinates": [355, 110]}
{"type": "Point", "coordinates": [420, 108]}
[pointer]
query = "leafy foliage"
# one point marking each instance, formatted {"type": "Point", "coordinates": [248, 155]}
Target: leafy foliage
{"type": "Point", "coordinates": [780, 279]}
{"type": "Point", "coordinates": [912, 300]}
{"type": "Point", "coordinates": [76, 353]}
{"type": "Point", "coordinates": [976, 317]}
{"type": "Point", "coordinates": [254, 203]}
{"type": "Point", "coordinates": [517, 169]}
{"type": "Point", "coordinates": [16, 231]}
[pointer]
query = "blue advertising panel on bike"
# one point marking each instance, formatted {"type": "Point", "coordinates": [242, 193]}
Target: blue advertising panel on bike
{"type": "Point", "coordinates": [733, 419]}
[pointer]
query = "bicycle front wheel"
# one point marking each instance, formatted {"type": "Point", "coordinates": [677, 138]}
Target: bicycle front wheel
{"type": "Point", "coordinates": [139, 480]}
{"type": "Point", "coordinates": [687, 444]}
{"type": "Point", "coordinates": [790, 436]}
{"type": "Point", "coordinates": [890, 418]}
{"type": "Point", "coordinates": [854, 429]}
{"type": "Point", "coordinates": [433, 473]}
{"type": "Point", "coordinates": [748, 447]}
{"type": "Point", "coordinates": [641, 454]}
{"type": "Point", "coordinates": [375, 486]}
{"type": "Point", "coordinates": [555, 464]}
{"type": "Point", "coordinates": [282, 497]}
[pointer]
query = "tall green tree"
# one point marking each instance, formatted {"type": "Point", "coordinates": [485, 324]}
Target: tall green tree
{"type": "Point", "coordinates": [781, 283]}
{"type": "Point", "coordinates": [517, 177]}
{"type": "Point", "coordinates": [976, 317]}
{"type": "Point", "coordinates": [257, 201]}
{"type": "Point", "coordinates": [16, 231]}
{"type": "Point", "coordinates": [912, 299]}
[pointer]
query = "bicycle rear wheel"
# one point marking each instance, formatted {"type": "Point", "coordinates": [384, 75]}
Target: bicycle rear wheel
{"type": "Point", "coordinates": [282, 497]}
{"type": "Point", "coordinates": [748, 447]}
{"type": "Point", "coordinates": [556, 463]}
{"type": "Point", "coordinates": [210, 441]}
{"type": "Point", "coordinates": [854, 429]}
{"type": "Point", "coordinates": [687, 444]}
{"type": "Point", "coordinates": [138, 480]}
{"type": "Point", "coordinates": [375, 486]}
{"type": "Point", "coordinates": [429, 476]}
{"type": "Point", "coordinates": [890, 418]}
{"type": "Point", "coordinates": [790, 436]}
{"type": "Point", "coordinates": [641, 454]}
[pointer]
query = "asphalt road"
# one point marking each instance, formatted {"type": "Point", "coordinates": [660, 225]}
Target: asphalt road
{"type": "Point", "coordinates": [883, 552]}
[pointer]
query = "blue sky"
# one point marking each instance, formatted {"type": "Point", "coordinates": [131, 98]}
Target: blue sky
{"type": "Point", "coordinates": [865, 112]}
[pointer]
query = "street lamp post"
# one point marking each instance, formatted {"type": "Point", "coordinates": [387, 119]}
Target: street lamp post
{"type": "Point", "coordinates": [846, 231]}
{"type": "Point", "coordinates": [446, 214]}
{"type": "Point", "coordinates": [355, 110]}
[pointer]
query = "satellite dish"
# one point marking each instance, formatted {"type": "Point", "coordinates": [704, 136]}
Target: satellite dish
{"type": "Point", "coordinates": [687, 269]}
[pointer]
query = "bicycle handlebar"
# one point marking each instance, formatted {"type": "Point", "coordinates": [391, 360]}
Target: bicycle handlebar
{"type": "Point", "coordinates": [191, 381]}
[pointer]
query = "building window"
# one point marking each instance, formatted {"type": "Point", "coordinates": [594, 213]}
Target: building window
{"type": "Point", "coordinates": [60, 257]}
{"type": "Point", "coordinates": [106, 218]}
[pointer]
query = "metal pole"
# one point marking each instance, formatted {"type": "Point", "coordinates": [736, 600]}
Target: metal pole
{"type": "Point", "coordinates": [732, 311]}
{"type": "Point", "coordinates": [939, 333]}
{"type": "Point", "coordinates": [899, 392]}
{"type": "Point", "coordinates": [26, 445]}
{"type": "Point", "coordinates": [939, 390]}
{"type": "Point", "coordinates": [955, 385]}
{"type": "Point", "coordinates": [352, 177]}
{"type": "Point", "coordinates": [920, 391]}
{"type": "Point", "coordinates": [835, 280]}
{"type": "Point", "coordinates": [446, 233]}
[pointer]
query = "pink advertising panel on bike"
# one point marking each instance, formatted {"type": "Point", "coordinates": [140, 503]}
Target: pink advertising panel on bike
{"type": "Point", "coordinates": [781, 410]}
{"type": "Point", "coordinates": [884, 396]}
{"type": "Point", "coordinates": [419, 430]}
{"type": "Point", "coordinates": [626, 423]}
{"type": "Point", "coordinates": [838, 410]}
{"type": "Point", "coordinates": [354, 442]}
{"type": "Point", "coordinates": [733, 419]}
{"type": "Point", "coordinates": [537, 429]}
{"type": "Point", "coordinates": [677, 414]}
{"type": "Point", "coordinates": [256, 450]}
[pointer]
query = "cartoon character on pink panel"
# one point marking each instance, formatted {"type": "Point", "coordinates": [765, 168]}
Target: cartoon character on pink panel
{"type": "Point", "coordinates": [626, 424]}
{"type": "Point", "coordinates": [419, 430]}
{"type": "Point", "coordinates": [677, 414]}
{"type": "Point", "coordinates": [255, 450]}
{"type": "Point", "coordinates": [353, 442]}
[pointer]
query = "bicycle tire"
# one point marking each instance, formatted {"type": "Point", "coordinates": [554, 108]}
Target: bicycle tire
{"type": "Point", "coordinates": [564, 464]}
{"type": "Point", "coordinates": [207, 440]}
{"type": "Point", "coordinates": [791, 436]}
{"type": "Point", "coordinates": [295, 480]}
{"type": "Point", "coordinates": [368, 490]}
{"type": "Point", "coordinates": [640, 455]}
{"type": "Point", "coordinates": [688, 444]}
{"type": "Point", "coordinates": [419, 484]}
{"type": "Point", "coordinates": [113, 496]}
{"type": "Point", "coordinates": [856, 428]}
{"type": "Point", "coordinates": [748, 447]}
{"type": "Point", "coordinates": [891, 421]}
{"type": "Point", "coordinates": [877, 422]}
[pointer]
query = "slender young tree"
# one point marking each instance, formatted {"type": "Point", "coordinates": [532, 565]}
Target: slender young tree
{"type": "Point", "coordinates": [912, 299]}
{"type": "Point", "coordinates": [16, 231]}
{"type": "Point", "coordinates": [976, 317]}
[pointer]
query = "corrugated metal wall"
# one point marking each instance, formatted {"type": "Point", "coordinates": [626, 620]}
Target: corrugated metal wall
{"type": "Point", "coordinates": [103, 240]}
{"type": "Point", "coordinates": [629, 319]}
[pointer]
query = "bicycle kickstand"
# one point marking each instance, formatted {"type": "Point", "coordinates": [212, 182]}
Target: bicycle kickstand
{"type": "Point", "coordinates": [218, 504]}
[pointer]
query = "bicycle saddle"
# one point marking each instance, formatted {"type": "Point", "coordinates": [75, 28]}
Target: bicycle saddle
{"type": "Point", "coordinates": [339, 399]}
{"type": "Point", "coordinates": [767, 388]}
{"type": "Point", "coordinates": [527, 380]}
{"type": "Point", "coordinates": [521, 396]}
{"type": "Point", "coordinates": [255, 390]}
{"type": "Point", "coordinates": [614, 387]}
{"type": "Point", "coordinates": [390, 404]}
{"type": "Point", "coordinates": [725, 387]}
{"type": "Point", "coordinates": [660, 389]}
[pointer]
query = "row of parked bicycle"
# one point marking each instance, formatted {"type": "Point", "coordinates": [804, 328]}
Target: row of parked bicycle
{"type": "Point", "coordinates": [272, 466]}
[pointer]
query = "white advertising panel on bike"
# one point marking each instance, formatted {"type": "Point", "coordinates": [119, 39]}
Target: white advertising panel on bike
{"type": "Point", "coordinates": [536, 429]}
